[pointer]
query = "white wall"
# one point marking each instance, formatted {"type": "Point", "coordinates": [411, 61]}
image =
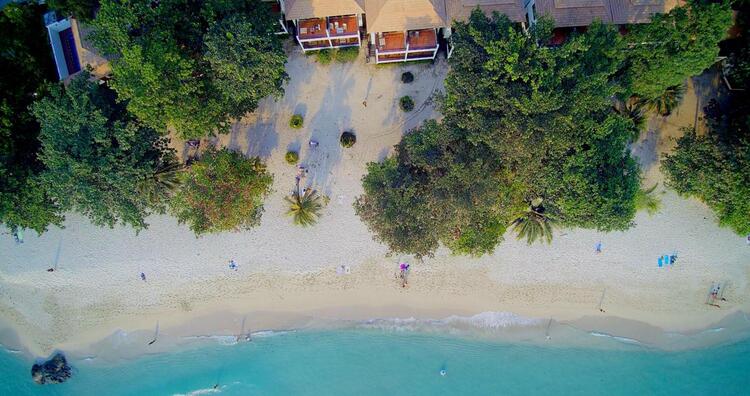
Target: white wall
{"type": "Point", "coordinates": [54, 30]}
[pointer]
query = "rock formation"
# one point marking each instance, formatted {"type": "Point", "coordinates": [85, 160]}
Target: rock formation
{"type": "Point", "coordinates": [54, 371]}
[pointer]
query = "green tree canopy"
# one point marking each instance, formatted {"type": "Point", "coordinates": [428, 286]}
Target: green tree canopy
{"type": "Point", "coordinates": [173, 71]}
{"type": "Point", "coordinates": [27, 67]}
{"type": "Point", "coordinates": [716, 172]}
{"type": "Point", "coordinates": [223, 191]}
{"type": "Point", "coordinates": [83, 10]}
{"type": "Point", "coordinates": [96, 156]}
{"type": "Point", "coordinates": [436, 188]}
{"type": "Point", "coordinates": [675, 46]}
{"type": "Point", "coordinates": [248, 61]}
{"type": "Point", "coordinates": [523, 123]}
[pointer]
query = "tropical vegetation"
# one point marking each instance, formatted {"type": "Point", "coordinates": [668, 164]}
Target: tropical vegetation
{"type": "Point", "coordinates": [222, 191]}
{"type": "Point", "coordinates": [348, 139]}
{"type": "Point", "coordinates": [190, 66]}
{"type": "Point", "coordinates": [291, 157]}
{"type": "Point", "coordinates": [716, 170]}
{"type": "Point", "coordinates": [533, 224]}
{"type": "Point", "coordinates": [675, 46]}
{"type": "Point", "coordinates": [25, 55]}
{"type": "Point", "coordinates": [714, 166]}
{"type": "Point", "coordinates": [511, 135]}
{"type": "Point", "coordinates": [407, 77]}
{"type": "Point", "coordinates": [667, 101]}
{"type": "Point", "coordinates": [99, 160]}
{"type": "Point", "coordinates": [514, 150]}
{"type": "Point", "coordinates": [296, 121]}
{"type": "Point", "coordinates": [83, 10]}
{"type": "Point", "coordinates": [304, 207]}
{"type": "Point", "coordinates": [406, 103]}
{"type": "Point", "coordinates": [646, 200]}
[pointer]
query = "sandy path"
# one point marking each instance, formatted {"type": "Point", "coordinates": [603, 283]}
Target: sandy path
{"type": "Point", "coordinates": [291, 271]}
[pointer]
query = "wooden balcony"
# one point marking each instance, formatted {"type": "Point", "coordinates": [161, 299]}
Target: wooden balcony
{"type": "Point", "coordinates": [345, 25]}
{"type": "Point", "coordinates": [406, 46]}
{"type": "Point", "coordinates": [329, 32]}
{"type": "Point", "coordinates": [313, 28]}
{"type": "Point", "coordinates": [422, 39]}
{"type": "Point", "coordinates": [316, 44]}
{"type": "Point", "coordinates": [391, 42]}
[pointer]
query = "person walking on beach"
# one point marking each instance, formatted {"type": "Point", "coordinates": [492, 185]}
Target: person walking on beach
{"type": "Point", "coordinates": [143, 276]}
{"type": "Point", "coordinates": [18, 237]}
{"type": "Point", "coordinates": [404, 269]}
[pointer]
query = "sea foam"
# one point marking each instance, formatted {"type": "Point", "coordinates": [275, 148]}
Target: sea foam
{"type": "Point", "coordinates": [485, 321]}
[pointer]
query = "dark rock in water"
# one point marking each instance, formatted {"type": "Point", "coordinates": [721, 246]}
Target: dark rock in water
{"type": "Point", "coordinates": [54, 371]}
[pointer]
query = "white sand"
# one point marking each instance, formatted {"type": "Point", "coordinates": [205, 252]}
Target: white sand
{"type": "Point", "coordinates": [287, 277]}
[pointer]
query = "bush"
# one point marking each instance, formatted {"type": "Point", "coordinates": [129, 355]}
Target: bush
{"type": "Point", "coordinates": [296, 122]}
{"type": "Point", "coordinates": [716, 172]}
{"type": "Point", "coordinates": [348, 54]}
{"type": "Point", "coordinates": [291, 157]}
{"type": "Point", "coordinates": [407, 77]}
{"type": "Point", "coordinates": [223, 191]}
{"type": "Point", "coordinates": [406, 103]}
{"type": "Point", "coordinates": [325, 56]}
{"type": "Point", "coordinates": [348, 139]}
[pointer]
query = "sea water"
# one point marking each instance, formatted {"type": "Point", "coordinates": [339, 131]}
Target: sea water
{"type": "Point", "coordinates": [375, 362]}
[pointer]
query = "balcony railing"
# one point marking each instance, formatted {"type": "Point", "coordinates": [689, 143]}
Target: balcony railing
{"type": "Point", "coordinates": [422, 39]}
{"type": "Point", "coordinates": [406, 46]}
{"type": "Point", "coordinates": [310, 29]}
{"type": "Point", "coordinates": [342, 26]}
{"type": "Point", "coordinates": [329, 32]}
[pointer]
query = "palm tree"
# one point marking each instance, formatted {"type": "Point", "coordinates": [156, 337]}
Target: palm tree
{"type": "Point", "coordinates": [533, 224]}
{"type": "Point", "coordinates": [645, 200]}
{"type": "Point", "coordinates": [635, 110]}
{"type": "Point", "coordinates": [304, 208]}
{"type": "Point", "coordinates": [668, 100]}
{"type": "Point", "coordinates": [162, 183]}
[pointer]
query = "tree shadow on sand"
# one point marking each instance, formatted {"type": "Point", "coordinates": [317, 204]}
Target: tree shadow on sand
{"type": "Point", "coordinates": [326, 126]}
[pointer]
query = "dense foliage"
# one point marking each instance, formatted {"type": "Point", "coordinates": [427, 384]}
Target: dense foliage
{"type": "Point", "coordinates": [675, 46]}
{"type": "Point", "coordinates": [511, 136]}
{"type": "Point", "coordinates": [406, 103]}
{"type": "Point", "coordinates": [223, 191]}
{"type": "Point", "coordinates": [83, 10]}
{"type": "Point", "coordinates": [97, 158]}
{"type": "Point", "coordinates": [26, 68]}
{"type": "Point", "coordinates": [247, 60]}
{"type": "Point", "coordinates": [190, 65]}
{"type": "Point", "coordinates": [738, 48]}
{"type": "Point", "coordinates": [347, 139]}
{"type": "Point", "coordinates": [715, 171]}
{"type": "Point", "coordinates": [715, 167]}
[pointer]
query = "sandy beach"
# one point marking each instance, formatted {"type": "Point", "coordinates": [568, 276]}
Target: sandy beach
{"type": "Point", "coordinates": [287, 275]}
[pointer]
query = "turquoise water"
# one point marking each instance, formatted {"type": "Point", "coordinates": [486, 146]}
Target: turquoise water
{"type": "Point", "coordinates": [366, 362]}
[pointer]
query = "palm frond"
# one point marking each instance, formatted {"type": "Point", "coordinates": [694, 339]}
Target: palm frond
{"type": "Point", "coordinates": [533, 225]}
{"type": "Point", "coordinates": [304, 208]}
{"type": "Point", "coordinates": [645, 200]}
{"type": "Point", "coordinates": [665, 103]}
{"type": "Point", "coordinates": [162, 183]}
{"type": "Point", "coordinates": [634, 109]}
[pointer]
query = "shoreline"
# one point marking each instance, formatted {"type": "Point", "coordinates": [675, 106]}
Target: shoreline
{"type": "Point", "coordinates": [369, 298]}
{"type": "Point", "coordinates": [587, 332]}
